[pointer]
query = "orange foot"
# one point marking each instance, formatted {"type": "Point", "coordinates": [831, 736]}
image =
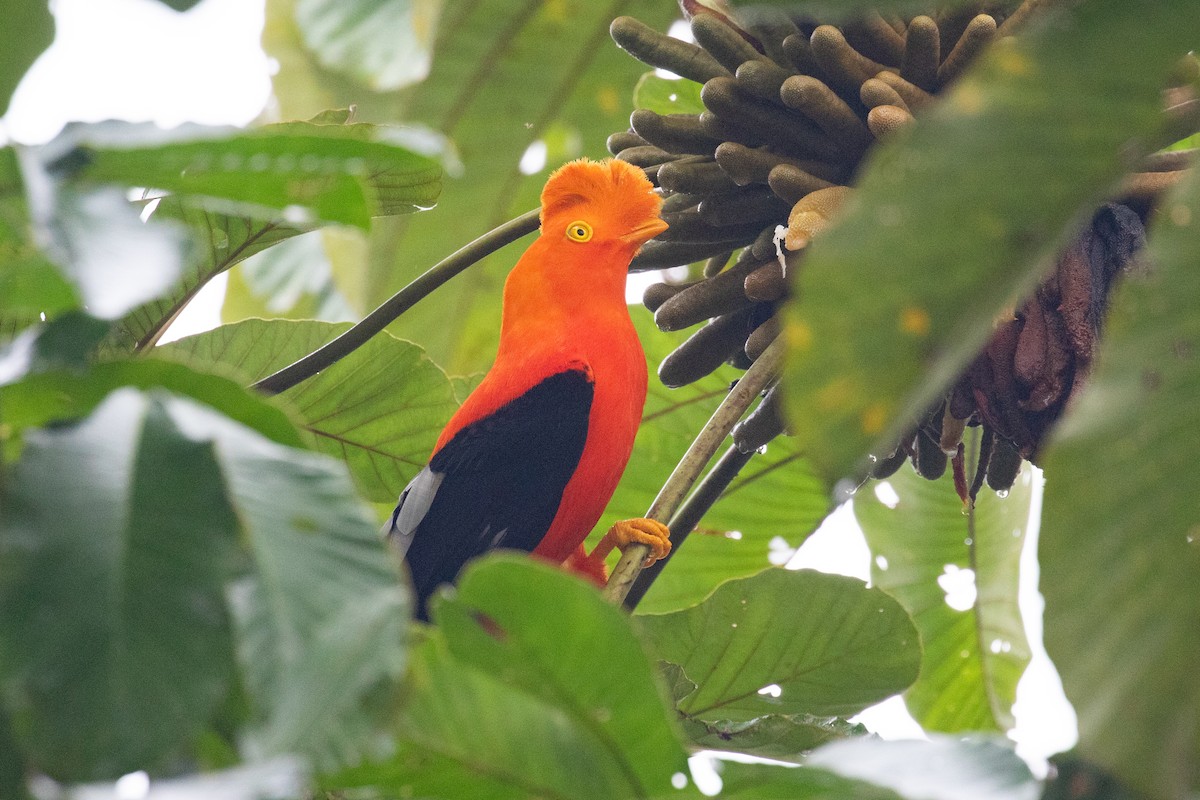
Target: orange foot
{"type": "Point", "coordinates": [651, 533]}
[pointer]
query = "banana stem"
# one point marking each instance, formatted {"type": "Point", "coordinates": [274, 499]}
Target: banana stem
{"type": "Point", "coordinates": [398, 303]}
{"type": "Point", "coordinates": [701, 451]}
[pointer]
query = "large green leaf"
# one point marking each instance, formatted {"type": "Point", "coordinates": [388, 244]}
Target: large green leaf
{"type": "Point", "coordinates": [941, 769]}
{"type": "Point", "coordinates": [12, 763]}
{"type": "Point", "coordinates": [322, 617]}
{"type": "Point", "coordinates": [63, 394]}
{"type": "Point", "coordinates": [320, 611]}
{"type": "Point", "coordinates": [788, 642]}
{"type": "Point", "coordinates": [384, 44]}
{"type": "Point", "coordinates": [546, 643]}
{"type": "Point", "coordinates": [532, 686]}
{"type": "Point", "coordinates": [776, 495]}
{"type": "Point", "coordinates": [114, 638]}
{"type": "Point", "coordinates": [958, 215]}
{"type": "Point", "coordinates": [309, 172]}
{"type": "Point", "coordinates": [237, 193]}
{"type": "Point", "coordinates": [28, 31]}
{"type": "Point", "coordinates": [776, 736]}
{"type": "Point", "coordinates": [253, 348]}
{"type": "Point", "coordinates": [379, 409]}
{"type": "Point", "coordinates": [1120, 543]}
{"type": "Point", "coordinates": [924, 542]}
{"type": "Point", "coordinates": [467, 733]}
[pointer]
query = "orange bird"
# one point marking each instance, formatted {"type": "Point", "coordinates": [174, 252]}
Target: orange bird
{"type": "Point", "coordinates": [532, 457]}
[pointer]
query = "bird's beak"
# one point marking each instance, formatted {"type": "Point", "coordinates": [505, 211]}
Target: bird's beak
{"type": "Point", "coordinates": [644, 232]}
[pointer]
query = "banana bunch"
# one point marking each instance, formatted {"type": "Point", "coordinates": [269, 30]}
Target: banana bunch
{"type": "Point", "coordinates": [791, 108]}
{"type": "Point", "coordinates": [1032, 366]}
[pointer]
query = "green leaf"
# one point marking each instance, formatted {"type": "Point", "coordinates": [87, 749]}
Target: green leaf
{"type": "Point", "coordinates": [321, 616]}
{"type": "Point", "coordinates": [379, 409]}
{"type": "Point", "coordinates": [944, 768]}
{"type": "Point", "coordinates": [667, 96]}
{"type": "Point", "coordinates": [308, 172]}
{"type": "Point", "coordinates": [776, 495]}
{"type": "Point", "coordinates": [976, 651]}
{"type": "Point", "coordinates": [383, 44]}
{"type": "Point", "coordinates": [56, 395]}
{"type": "Point", "coordinates": [253, 348]}
{"type": "Point", "coordinates": [467, 733]}
{"type": "Point", "coordinates": [788, 642]}
{"type": "Point", "coordinates": [545, 643]}
{"type": "Point", "coordinates": [32, 286]}
{"type": "Point", "coordinates": [64, 343]}
{"type": "Point", "coordinates": [1120, 543]}
{"type": "Point", "coordinates": [762, 782]}
{"type": "Point", "coordinates": [463, 385]}
{"type": "Point", "coordinates": [531, 685]}
{"type": "Point", "coordinates": [12, 762]}
{"type": "Point", "coordinates": [138, 654]}
{"type": "Point", "coordinates": [321, 613]}
{"type": "Point", "coordinates": [775, 736]}
{"type": "Point", "coordinates": [29, 30]}
{"type": "Point", "coordinates": [958, 215]}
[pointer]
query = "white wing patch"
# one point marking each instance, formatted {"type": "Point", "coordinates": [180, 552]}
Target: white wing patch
{"type": "Point", "coordinates": [411, 508]}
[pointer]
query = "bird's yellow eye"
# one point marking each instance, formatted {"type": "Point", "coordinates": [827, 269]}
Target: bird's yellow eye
{"type": "Point", "coordinates": [579, 231]}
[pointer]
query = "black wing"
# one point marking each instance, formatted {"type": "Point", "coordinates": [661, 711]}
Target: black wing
{"type": "Point", "coordinates": [497, 483]}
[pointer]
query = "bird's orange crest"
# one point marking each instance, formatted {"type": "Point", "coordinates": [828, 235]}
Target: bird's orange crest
{"type": "Point", "coordinates": [615, 192]}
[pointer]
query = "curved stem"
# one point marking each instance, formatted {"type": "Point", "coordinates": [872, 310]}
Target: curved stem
{"type": "Point", "coordinates": [740, 397]}
{"type": "Point", "coordinates": [398, 303]}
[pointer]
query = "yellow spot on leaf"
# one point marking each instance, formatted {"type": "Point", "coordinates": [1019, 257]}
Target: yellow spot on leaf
{"type": "Point", "coordinates": [608, 100]}
{"type": "Point", "coordinates": [799, 336]}
{"type": "Point", "coordinates": [968, 97]}
{"type": "Point", "coordinates": [1012, 60]}
{"type": "Point", "coordinates": [836, 394]}
{"type": "Point", "coordinates": [556, 10]}
{"type": "Point", "coordinates": [874, 418]}
{"type": "Point", "coordinates": [914, 321]}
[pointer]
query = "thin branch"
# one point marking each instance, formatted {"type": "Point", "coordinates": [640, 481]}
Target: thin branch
{"type": "Point", "coordinates": [740, 397]}
{"type": "Point", "coordinates": [398, 303]}
{"type": "Point", "coordinates": [689, 515]}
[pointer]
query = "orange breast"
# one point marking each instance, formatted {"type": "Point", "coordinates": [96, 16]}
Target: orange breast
{"type": "Point", "coordinates": [619, 367]}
